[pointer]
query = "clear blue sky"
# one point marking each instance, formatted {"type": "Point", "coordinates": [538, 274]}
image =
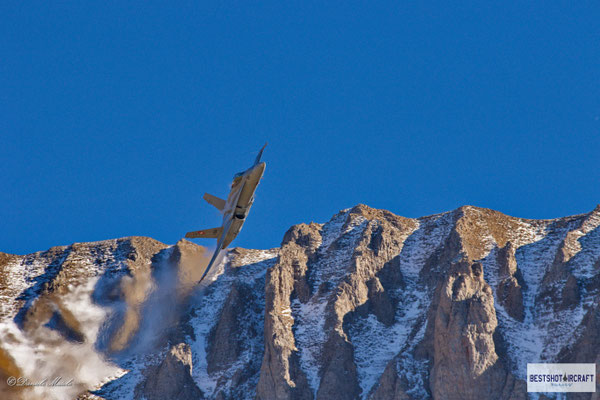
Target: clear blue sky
{"type": "Point", "coordinates": [116, 117]}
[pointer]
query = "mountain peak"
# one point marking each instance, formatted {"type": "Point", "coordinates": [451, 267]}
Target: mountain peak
{"type": "Point", "coordinates": [368, 305]}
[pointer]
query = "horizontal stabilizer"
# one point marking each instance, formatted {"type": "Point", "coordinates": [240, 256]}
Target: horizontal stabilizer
{"type": "Point", "coordinates": [214, 201]}
{"type": "Point", "coordinates": [213, 233]}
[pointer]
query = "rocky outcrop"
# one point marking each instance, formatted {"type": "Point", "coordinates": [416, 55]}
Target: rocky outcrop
{"type": "Point", "coordinates": [281, 376]}
{"type": "Point", "coordinates": [172, 378]}
{"type": "Point", "coordinates": [465, 359]}
{"type": "Point", "coordinates": [510, 290]}
{"type": "Point", "coordinates": [369, 305]}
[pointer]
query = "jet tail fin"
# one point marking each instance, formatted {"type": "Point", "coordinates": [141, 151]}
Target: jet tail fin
{"type": "Point", "coordinates": [223, 232]}
{"type": "Point", "coordinates": [259, 154]}
{"type": "Point", "coordinates": [214, 201]}
{"type": "Point", "coordinates": [213, 233]}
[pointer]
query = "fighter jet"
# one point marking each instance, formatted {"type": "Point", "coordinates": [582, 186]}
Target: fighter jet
{"type": "Point", "coordinates": [235, 209]}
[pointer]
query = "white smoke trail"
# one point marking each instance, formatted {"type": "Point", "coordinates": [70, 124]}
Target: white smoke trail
{"type": "Point", "coordinates": [146, 309]}
{"type": "Point", "coordinates": [52, 367]}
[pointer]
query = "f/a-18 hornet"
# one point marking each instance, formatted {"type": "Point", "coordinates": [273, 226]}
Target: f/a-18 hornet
{"type": "Point", "coordinates": [235, 209]}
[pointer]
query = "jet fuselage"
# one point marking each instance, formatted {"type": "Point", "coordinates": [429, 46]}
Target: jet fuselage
{"type": "Point", "coordinates": [240, 200]}
{"type": "Point", "coordinates": [235, 209]}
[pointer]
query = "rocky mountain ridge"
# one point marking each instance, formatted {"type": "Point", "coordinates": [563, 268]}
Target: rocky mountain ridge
{"type": "Point", "coordinates": [369, 305]}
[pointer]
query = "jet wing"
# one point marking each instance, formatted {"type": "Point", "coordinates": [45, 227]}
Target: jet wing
{"type": "Point", "coordinates": [216, 202]}
{"type": "Point", "coordinates": [212, 233]}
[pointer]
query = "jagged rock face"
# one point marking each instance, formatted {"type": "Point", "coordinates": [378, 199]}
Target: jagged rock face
{"type": "Point", "coordinates": [369, 305]}
{"type": "Point", "coordinates": [172, 378]}
{"type": "Point", "coordinates": [465, 360]}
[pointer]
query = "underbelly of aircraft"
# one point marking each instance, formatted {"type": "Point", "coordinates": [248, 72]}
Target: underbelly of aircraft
{"type": "Point", "coordinates": [236, 227]}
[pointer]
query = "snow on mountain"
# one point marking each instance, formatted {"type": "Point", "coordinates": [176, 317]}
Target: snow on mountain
{"type": "Point", "coordinates": [368, 305]}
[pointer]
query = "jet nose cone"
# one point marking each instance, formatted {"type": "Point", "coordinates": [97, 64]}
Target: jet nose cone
{"type": "Point", "coordinates": [259, 168]}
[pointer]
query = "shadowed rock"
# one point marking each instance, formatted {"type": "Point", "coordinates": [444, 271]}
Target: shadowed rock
{"type": "Point", "coordinates": [368, 305]}
{"type": "Point", "coordinates": [172, 378]}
